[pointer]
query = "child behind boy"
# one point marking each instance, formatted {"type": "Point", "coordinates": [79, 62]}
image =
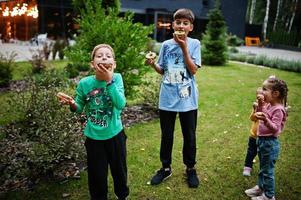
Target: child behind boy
{"type": "Point", "coordinates": [252, 147]}
{"type": "Point", "coordinates": [272, 118]}
{"type": "Point", "coordinates": [102, 97]}
{"type": "Point", "coordinates": [178, 61]}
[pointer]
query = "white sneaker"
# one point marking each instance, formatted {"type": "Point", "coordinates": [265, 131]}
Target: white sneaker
{"type": "Point", "coordinates": [254, 191]}
{"type": "Point", "coordinates": [262, 197]}
{"type": "Point", "coordinates": [247, 171]}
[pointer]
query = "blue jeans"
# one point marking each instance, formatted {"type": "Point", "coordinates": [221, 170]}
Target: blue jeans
{"type": "Point", "coordinates": [268, 151]}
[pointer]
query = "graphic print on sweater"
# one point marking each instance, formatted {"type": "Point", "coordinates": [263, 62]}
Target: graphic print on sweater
{"type": "Point", "coordinates": [100, 107]}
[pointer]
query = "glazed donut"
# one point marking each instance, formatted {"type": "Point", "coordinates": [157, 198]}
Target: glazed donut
{"type": "Point", "coordinates": [179, 33]}
{"type": "Point", "coordinates": [150, 55]}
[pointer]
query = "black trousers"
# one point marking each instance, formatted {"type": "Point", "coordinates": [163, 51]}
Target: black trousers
{"type": "Point", "coordinates": [100, 155]}
{"type": "Point", "coordinates": [251, 152]}
{"type": "Point", "coordinates": [188, 122]}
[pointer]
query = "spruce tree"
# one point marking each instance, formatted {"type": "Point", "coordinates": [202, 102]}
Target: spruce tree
{"type": "Point", "coordinates": [214, 46]}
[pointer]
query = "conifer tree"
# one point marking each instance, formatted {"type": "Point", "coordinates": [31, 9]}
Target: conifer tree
{"type": "Point", "coordinates": [214, 46]}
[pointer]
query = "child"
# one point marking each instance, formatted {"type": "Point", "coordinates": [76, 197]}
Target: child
{"type": "Point", "coordinates": [178, 61]}
{"type": "Point", "coordinates": [102, 97]}
{"type": "Point", "coordinates": [252, 147]}
{"type": "Point", "coordinates": [272, 118]}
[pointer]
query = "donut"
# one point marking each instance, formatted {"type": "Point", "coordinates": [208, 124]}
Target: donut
{"type": "Point", "coordinates": [150, 55]}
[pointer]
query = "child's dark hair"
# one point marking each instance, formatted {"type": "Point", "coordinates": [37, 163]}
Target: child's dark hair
{"type": "Point", "coordinates": [184, 13]}
{"type": "Point", "coordinates": [281, 86]}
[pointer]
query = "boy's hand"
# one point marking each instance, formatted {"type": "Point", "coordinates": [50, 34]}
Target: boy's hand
{"type": "Point", "coordinates": [150, 61]}
{"type": "Point", "coordinates": [150, 58]}
{"type": "Point", "coordinates": [180, 39]}
{"type": "Point", "coordinates": [65, 99]}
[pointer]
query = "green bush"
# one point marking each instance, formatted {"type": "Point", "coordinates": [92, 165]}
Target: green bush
{"type": "Point", "coordinates": [283, 37]}
{"type": "Point", "coordinates": [37, 61]}
{"type": "Point", "coordinates": [47, 136]}
{"type": "Point", "coordinates": [233, 40]}
{"type": "Point", "coordinates": [214, 45]}
{"type": "Point", "coordinates": [129, 41]}
{"type": "Point", "coordinates": [6, 64]}
{"type": "Point", "coordinates": [233, 50]}
{"type": "Point", "coordinates": [259, 60]}
{"type": "Point", "coordinates": [149, 92]}
{"type": "Point", "coordinates": [278, 63]}
{"type": "Point", "coordinates": [73, 69]}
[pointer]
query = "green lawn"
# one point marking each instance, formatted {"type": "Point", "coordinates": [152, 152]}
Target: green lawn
{"type": "Point", "coordinates": [226, 97]}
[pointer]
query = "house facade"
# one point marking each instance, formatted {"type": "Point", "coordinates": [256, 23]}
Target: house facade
{"type": "Point", "coordinates": [56, 17]}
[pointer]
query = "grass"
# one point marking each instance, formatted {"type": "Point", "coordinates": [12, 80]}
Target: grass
{"type": "Point", "coordinates": [226, 96]}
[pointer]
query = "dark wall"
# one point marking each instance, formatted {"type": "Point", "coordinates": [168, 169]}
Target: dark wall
{"type": "Point", "coordinates": [56, 18]}
{"type": "Point", "coordinates": [234, 12]}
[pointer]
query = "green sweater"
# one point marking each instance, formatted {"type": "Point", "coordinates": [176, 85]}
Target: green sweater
{"type": "Point", "coordinates": [102, 105]}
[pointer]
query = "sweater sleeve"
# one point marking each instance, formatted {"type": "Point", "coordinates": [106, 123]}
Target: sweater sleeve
{"type": "Point", "coordinates": [252, 115]}
{"type": "Point", "coordinates": [79, 99]}
{"type": "Point", "coordinates": [116, 91]}
{"type": "Point", "coordinates": [274, 123]}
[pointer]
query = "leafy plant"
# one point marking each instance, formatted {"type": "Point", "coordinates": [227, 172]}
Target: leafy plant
{"type": "Point", "coordinates": [233, 40]}
{"type": "Point", "coordinates": [214, 47]}
{"type": "Point", "coordinates": [47, 136]}
{"type": "Point", "coordinates": [6, 64]}
{"type": "Point", "coordinates": [37, 61]}
{"type": "Point", "coordinates": [129, 40]}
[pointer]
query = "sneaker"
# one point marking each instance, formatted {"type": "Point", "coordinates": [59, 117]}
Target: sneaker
{"type": "Point", "coordinates": [247, 171]}
{"type": "Point", "coordinates": [161, 175]}
{"type": "Point", "coordinates": [262, 197]}
{"type": "Point", "coordinates": [254, 192]}
{"type": "Point", "coordinates": [192, 178]}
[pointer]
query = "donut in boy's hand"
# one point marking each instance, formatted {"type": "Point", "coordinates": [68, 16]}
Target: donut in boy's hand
{"type": "Point", "coordinates": [179, 33]}
{"type": "Point", "coordinates": [63, 96]}
{"type": "Point", "coordinates": [150, 55]}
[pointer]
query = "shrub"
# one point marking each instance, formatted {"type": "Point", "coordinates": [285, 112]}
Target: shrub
{"type": "Point", "coordinates": [149, 92]}
{"type": "Point", "coordinates": [268, 62]}
{"type": "Point", "coordinates": [233, 40]}
{"type": "Point", "coordinates": [47, 136]}
{"type": "Point", "coordinates": [73, 69]}
{"type": "Point", "coordinates": [6, 64]}
{"type": "Point", "coordinates": [233, 50]}
{"type": "Point", "coordinates": [214, 47]}
{"type": "Point", "coordinates": [129, 40]}
{"type": "Point", "coordinates": [37, 61]}
{"type": "Point", "coordinates": [259, 60]}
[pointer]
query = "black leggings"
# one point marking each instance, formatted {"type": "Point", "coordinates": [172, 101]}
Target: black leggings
{"type": "Point", "coordinates": [188, 122]}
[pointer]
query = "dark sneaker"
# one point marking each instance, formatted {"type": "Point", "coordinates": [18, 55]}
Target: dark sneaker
{"type": "Point", "coordinates": [192, 178]}
{"type": "Point", "coordinates": [161, 175]}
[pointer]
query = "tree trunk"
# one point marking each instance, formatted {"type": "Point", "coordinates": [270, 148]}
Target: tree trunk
{"type": "Point", "coordinates": [266, 19]}
{"type": "Point", "coordinates": [252, 11]}
{"type": "Point", "coordinates": [277, 14]}
{"type": "Point", "coordinates": [295, 4]}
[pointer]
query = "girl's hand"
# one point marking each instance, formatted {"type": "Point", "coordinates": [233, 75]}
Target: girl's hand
{"type": "Point", "coordinates": [104, 72]}
{"type": "Point", "coordinates": [260, 99]}
{"type": "Point", "coordinates": [261, 116]}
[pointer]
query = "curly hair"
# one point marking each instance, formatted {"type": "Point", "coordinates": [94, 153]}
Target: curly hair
{"type": "Point", "coordinates": [281, 86]}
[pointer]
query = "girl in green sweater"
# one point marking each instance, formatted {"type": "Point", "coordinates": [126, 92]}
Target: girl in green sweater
{"type": "Point", "coordinates": [101, 97]}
